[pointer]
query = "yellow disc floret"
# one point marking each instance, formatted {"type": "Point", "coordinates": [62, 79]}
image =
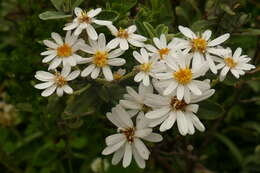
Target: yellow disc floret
{"type": "Point", "coordinates": [64, 51]}
{"type": "Point", "coordinates": [129, 134]}
{"type": "Point", "coordinates": [60, 80]}
{"type": "Point", "coordinates": [230, 62]}
{"type": "Point", "coordinates": [163, 52]}
{"type": "Point", "coordinates": [146, 67]}
{"type": "Point", "coordinates": [183, 76]}
{"type": "Point", "coordinates": [122, 33]}
{"type": "Point", "coordinates": [199, 44]}
{"type": "Point", "coordinates": [178, 104]}
{"type": "Point", "coordinates": [100, 58]}
{"type": "Point", "coordinates": [84, 18]}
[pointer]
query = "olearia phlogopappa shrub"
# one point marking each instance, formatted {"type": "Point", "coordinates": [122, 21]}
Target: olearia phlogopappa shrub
{"type": "Point", "coordinates": [146, 85]}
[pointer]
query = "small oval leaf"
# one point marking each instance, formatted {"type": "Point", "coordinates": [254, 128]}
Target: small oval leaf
{"type": "Point", "coordinates": [48, 15]}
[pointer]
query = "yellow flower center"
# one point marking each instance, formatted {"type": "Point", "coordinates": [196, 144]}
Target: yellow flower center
{"type": "Point", "coordinates": [230, 62]}
{"type": "Point", "coordinates": [100, 58]}
{"type": "Point", "coordinates": [122, 33]}
{"type": "Point", "coordinates": [163, 52]}
{"type": "Point", "coordinates": [84, 18]}
{"type": "Point", "coordinates": [178, 104]}
{"type": "Point", "coordinates": [146, 67]}
{"type": "Point", "coordinates": [60, 80]}
{"type": "Point", "coordinates": [129, 134]}
{"type": "Point", "coordinates": [117, 76]}
{"type": "Point", "coordinates": [199, 44]}
{"type": "Point", "coordinates": [64, 50]}
{"type": "Point", "coordinates": [183, 76]}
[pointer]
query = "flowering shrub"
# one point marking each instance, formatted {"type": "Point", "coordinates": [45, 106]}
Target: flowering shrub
{"type": "Point", "coordinates": [119, 64]}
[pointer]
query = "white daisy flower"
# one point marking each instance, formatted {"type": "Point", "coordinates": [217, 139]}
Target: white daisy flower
{"type": "Point", "coordinates": [162, 48]}
{"type": "Point", "coordinates": [201, 47]}
{"type": "Point", "coordinates": [58, 81]}
{"type": "Point", "coordinates": [62, 52]}
{"type": "Point", "coordinates": [84, 20]}
{"type": "Point", "coordinates": [181, 77]}
{"type": "Point", "coordinates": [168, 109]}
{"type": "Point", "coordinates": [147, 68]}
{"type": "Point", "coordinates": [102, 58]}
{"type": "Point", "coordinates": [119, 74]}
{"type": "Point", "coordinates": [134, 102]}
{"type": "Point", "coordinates": [127, 142]}
{"type": "Point", "coordinates": [235, 63]}
{"type": "Point", "coordinates": [125, 36]}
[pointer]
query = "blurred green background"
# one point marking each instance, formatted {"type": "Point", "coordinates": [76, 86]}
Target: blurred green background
{"type": "Point", "coordinates": [65, 135]}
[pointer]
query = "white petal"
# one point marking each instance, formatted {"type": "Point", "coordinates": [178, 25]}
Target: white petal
{"type": "Point", "coordinates": [194, 89]}
{"type": "Point", "coordinates": [158, 43]}
{"type": "Point", "coordinates": [44, 85]}
{"type": "Point", "coordinates": [94, 12]}
{"type": "Point", "coordinates": [154, 137]}
{"type": "Point", "coordinates": [157, 113]}
{"type": "Point", "coordinates": [182, 124]}
{"type": "Point", "coordinates": [206, 34]}
{"type": "Point", "coordinates": [118, 155]}
{"type": "Point", "coordinates": [59, 91]}
{"type": "Point", "coordinates": [95, 73]}
{"type": "Point", "coordinates": [131, 29]}
{"type": "Point", "coordinates": [92, 32]}
{"type": "Point", "coordinates": [123, 115]}
{"type": "Point", "coordinates": [138, 57]}
{"type": "Point", "coordinates": [186, 32]}
{"type": "Point", "coordinates": [113, 139]}
{"type": "Point", "coordinates": [211, 64]}
{"type": "Point", "coordinates": [101, 41]}
{"type": "Point", "coordinates": [123, 44]}
{"type": "Point", "coordinates": [138, 159]}
{"type": "Point", "coordinates": [139, 76]}
{"type": "Point", "coordinates": [55, 63]}
{"type": "Point", "coordinates": [102, 22]}
{"type": "Point", "coordinates": [223, 73]}
{"type": "Point", "coordinates": [219, 40]}
{"type": "Point", "coordinates": [112, 148]}
{"type": "Point", "coordinates": [113, 29]}
{"type": "Point", "coordinates": [127, 156]}
{"type": "Point", "coordinates": [116, 61]}
{"type": "Point", "coordinates": [86, 48]}
{"type": "Point", "coordinates": [115, 53]}
{"type": "Point", "coordinates": [180, 92]}
{"type": "Point", "coordinates": [49, 58]}
{"type": "Point", "coordinates": [87, 70]}
{"type": "Point", "coordinates": [50, 44]}
{"type": "Point", "coordinates": [48, 52]}
{"type": "Point", "coordinates": [196, 122]}
{"type": "Point", "coordinates": [70, 26]}
{"type": "Point", "coordinates": [168, 123]}
{"type": "Point", "coordinates": [44, 76]}
{"type": "Point", "coordinates": [78, 11]}
{"type": "Point", "coordinates": [130, 104]}
{"type": "Point", "coordinates": [143, 132]}
{"type": "Point", "coordinates": [135, 43]}
{"type": "Point", "coordinates": [146, 80]}
{"type": "Point", "coordinates": [113, 43]}
{"type": "Point", "coordinates": [67, 89]}
{"type": "Point", "coordinates": [237, 53]}
{"type": "Point", "coordinates": [49, 91]}
{"type": "Point", "coordinates": [57, 38]}
{"type": "Point", "coordinates": [141, 148]}
{"type": "Point", "coordinates": [173, 85]}
{"type": "Point", "coordinates": [107, 73]}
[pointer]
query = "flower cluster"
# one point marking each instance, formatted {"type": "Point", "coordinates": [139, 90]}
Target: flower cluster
{"type": "Point", "coordinates": [171, 73]}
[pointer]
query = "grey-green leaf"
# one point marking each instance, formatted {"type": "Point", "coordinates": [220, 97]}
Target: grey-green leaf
{"type": "Point", "coordinates": [57, 3]}
{"type": "Point", "coordinates": [48, 15]}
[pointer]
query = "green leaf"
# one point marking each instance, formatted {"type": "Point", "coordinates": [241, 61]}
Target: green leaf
{"type": "Point", "coordinates": [250, 31]}
{"type": "Point", "coordinates": [252, 125]}
{"type": "Point", "coordinates": [202, 25]}
{"type": "Point", "coordinates": [48, 15]}
{"type": "Point", "coordinates": [57, 3]}
{"type": "Point", "coordinates": [209, 110]}
{"type": "Point", "coordinates": [232, 147]}
{"type": "Point", "coordinates": [77, 3]}
{"type": "Point", "coordinates": [150, 30]}
{"type": "Point", "coordinates": [227, 9]}
{"type": "Point", "coordinates": [161, 29]}
{"type": "Point", "coordinates": [108, 15]}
